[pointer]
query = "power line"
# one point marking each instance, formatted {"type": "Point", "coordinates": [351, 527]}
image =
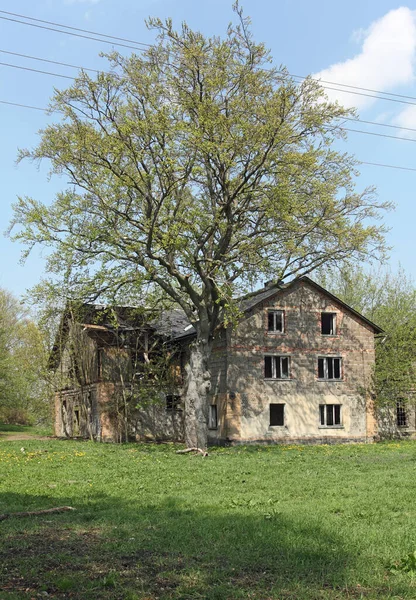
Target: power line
{"type": "Point", "coordinates": [73, 34]}
{"type": "Point", "coordinates": [23, 105]}
{"type": "Point", "coordinates": [113, 37]}
{"type": "Point", "coordinates": [355, 87]}
{"type": "Point", "coordinates": [349, 91]}
{"type": "Point", "coordinates": [392, 137]}
{"type": "Point", "coordinates": [35, 70]}
{"type": "Point", "coordinates": [63, 64]}
{"type": "Point", "coordinates": [362, 162]}
{"type": "Point", "coordinates": [53, 62]}
{"type": "Point", "coordinates": [378, 124]}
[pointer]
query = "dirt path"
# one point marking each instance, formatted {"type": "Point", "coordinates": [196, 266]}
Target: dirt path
{"type": "Point", "coordinates": [21, 437]}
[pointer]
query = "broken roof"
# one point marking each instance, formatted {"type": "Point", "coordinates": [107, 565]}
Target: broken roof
{"type": "Point", "coordinates": [174, 324]}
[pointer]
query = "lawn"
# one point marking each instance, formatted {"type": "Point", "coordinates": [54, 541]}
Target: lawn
{"type": "Point", "coordinates": [282, 522]}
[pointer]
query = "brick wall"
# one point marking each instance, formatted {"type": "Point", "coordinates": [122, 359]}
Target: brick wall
{"type": "Point", "coordinates": [303, 393]}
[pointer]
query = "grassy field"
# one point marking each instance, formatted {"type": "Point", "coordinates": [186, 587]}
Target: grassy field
{"type": "Point", "coordinates": [301, 523]}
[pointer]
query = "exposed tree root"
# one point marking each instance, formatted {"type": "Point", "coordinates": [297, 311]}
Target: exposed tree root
{"type": "Point", "coordinates": [203, 452]}
{"type": "Point", "coordinates": [32, 513]}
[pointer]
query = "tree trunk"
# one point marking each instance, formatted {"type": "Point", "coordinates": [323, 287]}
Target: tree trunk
{"type": "Point", "coordinates": [198, 385]}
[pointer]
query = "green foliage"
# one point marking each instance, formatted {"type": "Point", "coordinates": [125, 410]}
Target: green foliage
{"type": "Point", "coordinates": [275, 522]}
{"type": "Point", "coordinates": [24, 394]}
{"type": "Point", "coordinates": [196, 168]}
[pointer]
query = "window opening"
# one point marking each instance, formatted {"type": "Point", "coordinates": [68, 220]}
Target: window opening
{"type": "Point", "coordinates": [212, 417]}
{"type": "Point", "coordinates": [276, 367]}
{"type": "Point", "coordinates": [329, 368]}
{"type": "Point", "coordinates": [275, 321]}
{"type": "Point", "coordinates": [277, 415]}
{"type": "Point", "coordinates": [328, 323]}
{"type": "Point", "coordinates": [173, 403]}
{"type": "Point", "coordinates": [330, 415]}
{"type": "Point", "coordinates": [401, 414]}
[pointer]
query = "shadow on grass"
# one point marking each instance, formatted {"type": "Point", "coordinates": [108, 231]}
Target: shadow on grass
{"type": "Point", "coordinates": [14, 428]}
{"type": "Point", "coordinates": [109, 549]}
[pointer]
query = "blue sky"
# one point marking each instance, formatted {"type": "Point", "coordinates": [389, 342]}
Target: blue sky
{"type": "Point", "coordinates": [367, 44]}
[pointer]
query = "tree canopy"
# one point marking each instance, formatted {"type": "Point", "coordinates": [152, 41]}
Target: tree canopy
{"type": "Point", "coordinates": [196, 168]}
{"type": "Point", "coordinates": [23, 390]}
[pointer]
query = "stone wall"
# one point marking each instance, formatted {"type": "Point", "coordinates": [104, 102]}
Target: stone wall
{"type": "Point", "coordinates": [303, 392]}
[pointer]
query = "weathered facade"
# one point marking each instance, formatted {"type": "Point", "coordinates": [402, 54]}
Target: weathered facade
{"type": "Point", "coordinates": [99, 361]}
{"type": "Point", "coordinates": [297, 368]}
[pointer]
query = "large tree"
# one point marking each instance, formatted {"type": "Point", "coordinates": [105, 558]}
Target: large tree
{"type": "Point", "coordinates": [196, 168]}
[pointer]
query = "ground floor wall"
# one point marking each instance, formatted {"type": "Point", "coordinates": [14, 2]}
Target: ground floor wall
{"type": "Point", "coordinates": [102, 412]}
{"type": "Point", "coordinates": [282, 412]}
{"type": "Point", "coordinates": [397, 421]}
{"type": "Point", "coordinates": [240, 417]}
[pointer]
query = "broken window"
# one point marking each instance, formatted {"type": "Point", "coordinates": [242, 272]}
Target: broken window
{"type": "Point", "coordinates": [100, 353]}
{"type": "Point", "coordinates": [275, 321]}
{"type": "Point", "coordinates": [328, 323]}
{"type": "Point", "coordinates": [329, 368]}
{"type": "Point", "coordinates": [401, 414]}
{"type": "Point", "coordinates": [173, 403]}
{"type": "Point", "coordinates": [76, 420]}
{"type": "Point", "coordinates": [277, 415]}
{"type": "Point", "coordinates": [330, 415]}
{"type": "Point", "coordinates": [276, 367]}
{"type": "Point", "coordinates": [212, 417]}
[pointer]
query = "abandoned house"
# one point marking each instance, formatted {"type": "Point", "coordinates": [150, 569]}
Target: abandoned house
{"type": "Point", "coordinates": [297, 368]}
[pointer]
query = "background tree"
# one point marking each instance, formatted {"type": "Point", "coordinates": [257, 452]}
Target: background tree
{"type": "Point", "coordinates": [389, 300]}
{"type": "Point", "coordinates": [24, 393]}
{"type": "Point", "coordinates": [196, 168]}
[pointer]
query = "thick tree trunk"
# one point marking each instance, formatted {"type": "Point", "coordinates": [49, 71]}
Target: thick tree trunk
{"type": "Point", "coordinates": [196, 395]}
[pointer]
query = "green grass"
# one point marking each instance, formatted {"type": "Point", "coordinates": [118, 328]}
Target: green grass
{"type": "Point", "coordinates": [275, 522]}
{"type": "Point", "coordinates": [18, 430]}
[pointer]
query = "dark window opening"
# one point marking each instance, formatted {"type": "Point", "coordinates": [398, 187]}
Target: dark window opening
{"type": "Point", "coordinates": [275, 321]}
{"type": "Point", "coordinates": [276, 367]}
{"type": "Point", "coordinates": [100, 362]}
{"type": "Point", "coordinates": [330, 415]}
{"type": "Point", "coordinates": [173, 403]}
{"type": "Point", "coordinates": [277, 415]}
{"type": "Point", "coordinates": [212, 417]}
{"type": "Point", "coordinates": [401, 414]}
{"type": "Point", "coordinates": [328, 323]}
{"type": "Point", "coordinates": [329, 368]}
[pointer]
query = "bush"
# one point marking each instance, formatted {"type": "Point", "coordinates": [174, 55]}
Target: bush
{"type": "Point", "coordinates": [15, 416]}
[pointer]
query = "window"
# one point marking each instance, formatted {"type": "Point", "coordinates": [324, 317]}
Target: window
{"type": "Point", "coordinates": [275, 321]}
{"type": "Point", "coordinates": [173, 403]}
{"type": "Point", "coordinates": [328, 323]}
{"type": "Point", "coordinates": [330, 415]}
{"type": "Point", "coordinates": [329, 368]}
{"type": "Point", "coordinates": [212, 417]}
{"type": "Point", "coordinates": [277, 415]}
{"type": "Point", "coordinates": [276, 367]}
{"type": "Point", "coordinates": [401, 414]}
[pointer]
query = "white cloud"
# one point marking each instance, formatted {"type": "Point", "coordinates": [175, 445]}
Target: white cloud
{"type": "Point", "coordinates": [406, 118]}
{"type": "Point", "coordinates": [386, 59]}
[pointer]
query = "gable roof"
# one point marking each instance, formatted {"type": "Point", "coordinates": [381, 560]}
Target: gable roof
{"type": "Point", "coordinates": [252, 300]}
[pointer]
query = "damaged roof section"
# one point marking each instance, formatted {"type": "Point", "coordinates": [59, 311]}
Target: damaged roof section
{"type": "Point", "coordinates": [172, 324]}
